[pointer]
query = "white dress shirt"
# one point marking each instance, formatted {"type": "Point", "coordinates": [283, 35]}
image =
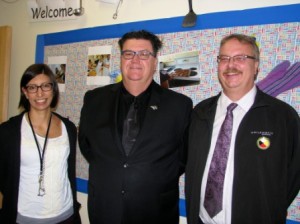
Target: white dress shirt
{"type": "Point", "coordinates": [244, 104]}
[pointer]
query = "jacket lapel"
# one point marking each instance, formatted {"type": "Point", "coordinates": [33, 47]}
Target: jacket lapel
{"type": "Point", "coordinates": [204, 119]}
{"type": "Point", "coordinates": [115, 91]}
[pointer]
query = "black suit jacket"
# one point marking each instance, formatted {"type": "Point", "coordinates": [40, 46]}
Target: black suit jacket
{"type": "Point", "coordinates": [265, 181]}
{"type": "Point", "coordinates": [143, 187]}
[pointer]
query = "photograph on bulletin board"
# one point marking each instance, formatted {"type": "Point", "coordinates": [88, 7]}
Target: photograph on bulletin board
{"type": "Point", "coordinates": [98, 61]}
{"type": "Point", "coordinates": [58, 65]}
{"type": "Point", "coordinates": [59, 71]}
{"type": "Point", "coordinates": [98, 65]}
{"type": "Point", "coordinates": [181, 69]}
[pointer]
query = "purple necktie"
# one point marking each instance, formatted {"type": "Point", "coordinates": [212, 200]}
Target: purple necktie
{"type": "Point", "coordinates": [215, 180]}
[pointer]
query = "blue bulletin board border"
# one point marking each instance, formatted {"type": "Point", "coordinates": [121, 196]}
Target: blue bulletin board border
{"type": "Point", "coordinates": [249, 17]}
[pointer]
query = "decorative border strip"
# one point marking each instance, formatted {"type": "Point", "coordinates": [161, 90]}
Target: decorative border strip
{"type": "Point", "coordinates": [258, 16]}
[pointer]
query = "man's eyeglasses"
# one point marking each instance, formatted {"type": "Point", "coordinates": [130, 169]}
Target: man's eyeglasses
{"type": "Point", "coordinates": [143, 55]}
{"type": "Point", "coordinates": [44, 87]}
{"type": "Point", "coordinates": [237, 58]}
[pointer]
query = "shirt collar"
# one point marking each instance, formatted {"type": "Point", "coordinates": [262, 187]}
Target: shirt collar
{"type": "Point", "coordinates": [141, 98]}
{"type": "Point", "coordinates": [244, 103]}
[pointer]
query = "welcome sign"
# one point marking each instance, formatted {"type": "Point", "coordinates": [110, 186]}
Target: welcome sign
{"type": "Point", "coordinates": [50, 10]}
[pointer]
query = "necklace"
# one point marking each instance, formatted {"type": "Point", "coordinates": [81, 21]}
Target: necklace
{"type": "Point", "coordinates": [41, 191]}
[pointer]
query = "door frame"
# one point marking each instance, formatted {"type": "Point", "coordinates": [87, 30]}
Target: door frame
{"type": "Point", "coordinates": [5, 59]}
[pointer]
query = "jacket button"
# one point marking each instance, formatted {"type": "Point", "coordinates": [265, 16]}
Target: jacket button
{"type": "Point", "coordinates": [123, 192]}
{"type": "Point", "coordinates": [126, 165]}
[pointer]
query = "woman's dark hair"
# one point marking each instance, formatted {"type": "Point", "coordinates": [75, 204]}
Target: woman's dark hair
{"type": "Point", "coordinates": [144, 35]}
{"type": "Point", "coordinates": [31, 72]}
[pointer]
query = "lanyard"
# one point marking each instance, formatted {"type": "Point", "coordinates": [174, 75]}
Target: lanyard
{"type": "Point", "coordinates": [41, 191]}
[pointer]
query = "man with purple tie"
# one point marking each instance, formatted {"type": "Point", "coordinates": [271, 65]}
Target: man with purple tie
{"type": "Point", "coordinates": [243, 162]}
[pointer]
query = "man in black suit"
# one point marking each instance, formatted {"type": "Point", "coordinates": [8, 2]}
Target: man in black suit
{"type": "Point", "coordinates": [261, 177]}
{"type": "Point", "coordinates": [134, 163]}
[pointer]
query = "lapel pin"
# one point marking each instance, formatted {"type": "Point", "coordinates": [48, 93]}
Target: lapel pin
{"type": "Point", "coordinates": [154, 107]}
{"type": "Point", "coordinates": [263, 143]}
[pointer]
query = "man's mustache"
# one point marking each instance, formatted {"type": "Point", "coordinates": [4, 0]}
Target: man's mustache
{"type": "Point", "coordinates": [232, 71]}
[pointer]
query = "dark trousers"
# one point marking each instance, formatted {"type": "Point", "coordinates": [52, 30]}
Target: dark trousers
{"type": "Point", "coordinates": [73, 219]}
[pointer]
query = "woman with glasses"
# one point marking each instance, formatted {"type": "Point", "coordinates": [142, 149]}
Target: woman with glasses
{"type": "Point", "coordinates": [37, 156]}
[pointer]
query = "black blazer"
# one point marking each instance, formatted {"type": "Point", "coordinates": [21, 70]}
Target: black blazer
{"type": "Point", "coordinates": [143, 187]}
{"type": "Point", "coordinates": [265, 181]}
{"type": "Point", "coordinates": [10, 142]}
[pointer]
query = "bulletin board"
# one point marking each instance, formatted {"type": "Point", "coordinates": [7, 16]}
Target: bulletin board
{"type": "Point", "coordinates": [277, 31]}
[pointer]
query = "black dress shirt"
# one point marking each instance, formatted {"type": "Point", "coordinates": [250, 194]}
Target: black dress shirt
{"type": "Point", "coordinates": [126, 100]}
